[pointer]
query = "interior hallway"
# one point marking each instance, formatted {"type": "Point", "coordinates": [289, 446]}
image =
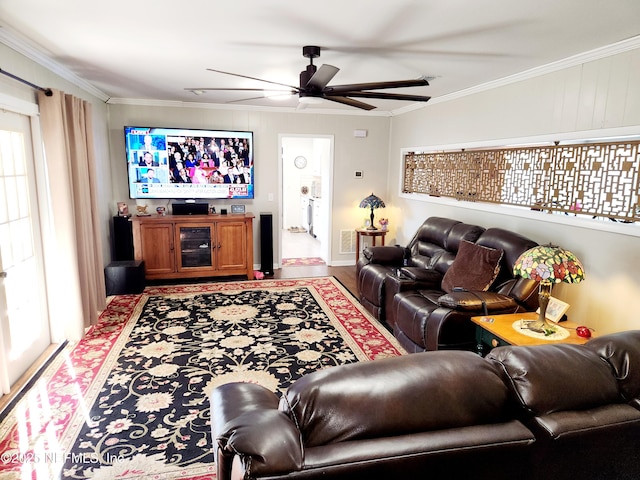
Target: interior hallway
{"type": "Point", "coordinates": [299, 245]}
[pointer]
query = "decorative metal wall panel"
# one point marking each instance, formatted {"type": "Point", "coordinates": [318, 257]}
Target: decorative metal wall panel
{"type": "Point", "coordinates": [597, 179]}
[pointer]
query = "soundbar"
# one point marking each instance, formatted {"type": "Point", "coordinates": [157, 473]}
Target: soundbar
{"type": "Point", "coordinates": [190, 208]}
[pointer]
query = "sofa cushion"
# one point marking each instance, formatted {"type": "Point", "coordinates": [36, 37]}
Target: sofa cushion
{"type": "Point", "coordinates": [513, 245]}
{"type": "Point", "coordinates": [475, 268]}
{"type": "Point", "coordinates": [622, 351]}
{"type": "Point", "coordinates": [476, 302]}
{"type": "Point", "coordinates": [558, 377]}
{"type": "Point", "coordinates": [395, 396]}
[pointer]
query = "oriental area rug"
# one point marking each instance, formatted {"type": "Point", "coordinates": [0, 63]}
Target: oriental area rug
{"type": "Point", "coordinates": [131, 400]}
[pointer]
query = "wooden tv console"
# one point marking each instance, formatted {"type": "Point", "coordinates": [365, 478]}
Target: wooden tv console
{"type": "Point", "coordinates": [188, 246]}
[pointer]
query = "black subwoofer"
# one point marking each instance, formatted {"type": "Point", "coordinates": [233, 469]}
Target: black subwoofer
{"type": "Point", "coordinates": [124, 277]}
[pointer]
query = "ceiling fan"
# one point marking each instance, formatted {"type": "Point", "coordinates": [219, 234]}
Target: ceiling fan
{"type": "Point", "coordinates": [314, 84]}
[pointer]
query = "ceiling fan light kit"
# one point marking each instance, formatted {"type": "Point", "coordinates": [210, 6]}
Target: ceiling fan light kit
{"type": "Point", "coordinates": [314, 86]}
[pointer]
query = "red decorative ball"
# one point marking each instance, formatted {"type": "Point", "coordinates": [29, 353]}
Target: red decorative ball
{"type": "Point", "coordinates": [583, 331]}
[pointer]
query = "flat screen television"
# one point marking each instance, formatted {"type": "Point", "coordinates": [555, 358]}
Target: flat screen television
{"type": "Point", "coordinates": [181, 163]}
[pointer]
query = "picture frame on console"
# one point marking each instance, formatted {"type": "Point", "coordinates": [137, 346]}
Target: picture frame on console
{"type": "Point", "coordinates": [555, 310]}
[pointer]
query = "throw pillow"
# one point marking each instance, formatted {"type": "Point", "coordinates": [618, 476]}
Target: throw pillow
{"type": "Point", "coordinates": [474, 268]}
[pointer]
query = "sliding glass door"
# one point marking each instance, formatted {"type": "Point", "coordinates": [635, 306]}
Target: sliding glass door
{"type": "Point", "coordinates": [24, 326]}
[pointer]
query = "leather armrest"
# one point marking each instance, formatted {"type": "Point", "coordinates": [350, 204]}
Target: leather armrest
{"type": "Point", "coordinates": [246, 422]}
{"type": "Point", "coordinates": [425, 276]}
{"type": "Point", "coordinates": [476, 301]}
{"type": "Point", "coordinates": [267, 442]}
{"type": "Point", "coordinates": [384, 255]}
{"type": "Point", "coordinates": [232, 400]}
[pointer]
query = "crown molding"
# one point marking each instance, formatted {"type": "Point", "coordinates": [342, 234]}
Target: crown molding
{"type": "Point", "coordinates": [20, 45]}
{"type": "Point", "coordinates": [575, 60]}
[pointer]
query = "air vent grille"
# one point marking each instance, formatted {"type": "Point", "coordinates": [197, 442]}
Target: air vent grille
{"type": "Point", "coordinates": [347, 241]}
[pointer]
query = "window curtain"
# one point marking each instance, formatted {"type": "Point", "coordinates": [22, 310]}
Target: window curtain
{"type": "Point", "coordinates": [73, 254]}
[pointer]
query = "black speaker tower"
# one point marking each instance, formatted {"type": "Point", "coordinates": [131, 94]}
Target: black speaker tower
{"type": "Point", "coordinates": [266, 243]}
{"type": "Point", "coordinates": [122, 239]}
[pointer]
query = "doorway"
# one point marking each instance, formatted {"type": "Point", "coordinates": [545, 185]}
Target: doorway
{"type": "Point", "coordinates": [24, 326]}
{"type": "Point", "coordinates": [306, 166]}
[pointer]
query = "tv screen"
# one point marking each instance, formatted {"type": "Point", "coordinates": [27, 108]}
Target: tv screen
{"type": "Point", "coordinates": [175, 163]}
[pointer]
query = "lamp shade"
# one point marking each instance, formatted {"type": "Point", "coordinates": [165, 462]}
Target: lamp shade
{"type": "Point", "coordinates": [549, 264]}
{"type": "Point", "coordinates": [372, 201]}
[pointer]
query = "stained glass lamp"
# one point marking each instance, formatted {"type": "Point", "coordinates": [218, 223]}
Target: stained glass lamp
{"type": "Point", "coordinates": [547, 264]}
{"type": "Point", "coordinates": [372, 202]}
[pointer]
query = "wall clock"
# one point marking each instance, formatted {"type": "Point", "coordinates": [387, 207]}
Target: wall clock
{"type": "Point", "coordinates": [300, 162]}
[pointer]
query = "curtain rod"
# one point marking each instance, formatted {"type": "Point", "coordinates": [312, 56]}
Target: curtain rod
{"type": "Point", "coordinates": [47, 91]}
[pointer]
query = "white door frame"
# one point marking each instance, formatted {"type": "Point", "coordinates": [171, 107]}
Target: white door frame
{"type": "Point", "coordinates": [39, 214]}
{"type": "Point", "coordinates": [327, 193]}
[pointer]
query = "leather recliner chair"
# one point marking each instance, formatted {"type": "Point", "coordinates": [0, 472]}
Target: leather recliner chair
{"type": "Point", "coordinates": [432, 319]}
{"type": "Point", "coordinates": [425, 258]}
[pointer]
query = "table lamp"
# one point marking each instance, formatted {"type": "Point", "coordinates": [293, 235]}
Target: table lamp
{"type": "Point", "coordinates": [547, 264]}
{"type": "Point", "coordinates": [372, 202]}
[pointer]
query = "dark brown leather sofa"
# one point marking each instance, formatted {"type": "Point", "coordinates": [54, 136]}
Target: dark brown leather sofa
{"type": "Point", "coordinates": [428, 255]}
{"type": "Point", "coordinates": [555, 411]}
{"type": "Point", "coordinates": [421, 306]}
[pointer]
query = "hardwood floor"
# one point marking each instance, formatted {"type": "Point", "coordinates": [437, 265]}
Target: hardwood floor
{"type": "Point", "coordinates": [303, 245]}
{"type": "Point", "coordinates": [23, 381]}
{"type": "Point", "coordinates": [346, 275]}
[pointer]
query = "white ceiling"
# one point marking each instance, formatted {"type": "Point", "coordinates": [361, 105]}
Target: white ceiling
{"type": "Point", "coordinates": [153, 50]}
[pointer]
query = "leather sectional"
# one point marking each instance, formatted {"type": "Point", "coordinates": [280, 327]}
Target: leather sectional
{"type": "Point", "coordinates": [553, 411]}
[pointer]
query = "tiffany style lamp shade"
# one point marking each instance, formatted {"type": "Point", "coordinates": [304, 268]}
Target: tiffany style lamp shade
{"type": "Point", "coordinates": [548, 264]}
{"type": "Point", "coordinates": [372, 202]}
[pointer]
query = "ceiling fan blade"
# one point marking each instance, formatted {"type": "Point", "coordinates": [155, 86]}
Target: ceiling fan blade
{"type": "Point", "coordinates": [246, 99]}
{"type": "Point", "coordinates": [383, 96]}
{"type": "Point", "coordinates": [418, 82]}
{"type": "Point", "coordinates": [350, 102]}
{"type": "Point", "coordinates": [261, 97]}
{"type": "Point", "coordinates": [322, 77]}
{"type": "Point", "coordinates": [254, 78]}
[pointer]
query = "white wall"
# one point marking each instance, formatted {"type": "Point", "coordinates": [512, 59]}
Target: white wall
{"type": "Point", "coordinates": [585, 101]}
{"type": "Point", "coordinates": [368, 154]}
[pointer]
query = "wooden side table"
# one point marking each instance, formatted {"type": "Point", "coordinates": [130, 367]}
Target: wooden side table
{"type": "Point", "coordinates": [368, 233]}
{"type": "Point", "coordinates": [500, 332]}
